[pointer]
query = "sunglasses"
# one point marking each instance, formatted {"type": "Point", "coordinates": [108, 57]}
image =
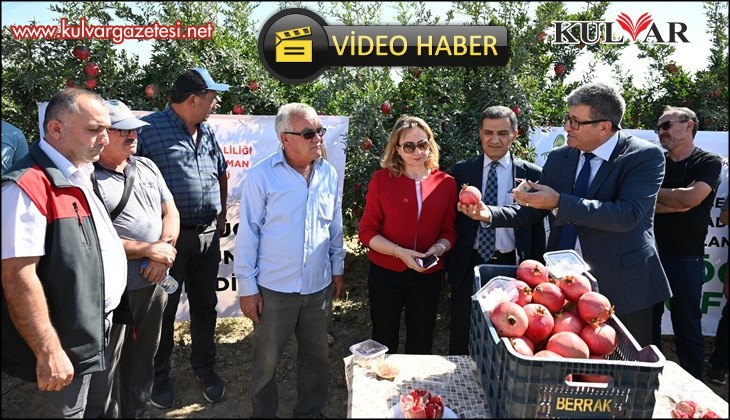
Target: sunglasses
{"type": "Point", "coordinates": [125, 133]}
{"type": "Point", "coordinates": [410, 147]}
{"type": "Point", "coordinates": [666, 124]}
{"type": "Point", "coordinates": [309, 134]}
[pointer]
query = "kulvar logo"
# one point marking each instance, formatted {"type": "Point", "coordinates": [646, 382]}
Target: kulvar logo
{"type": "Point", "coordinates": [593, 32]}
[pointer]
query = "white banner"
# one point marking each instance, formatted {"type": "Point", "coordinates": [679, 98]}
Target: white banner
{"type": "Point", "coordinates": [716, 243]}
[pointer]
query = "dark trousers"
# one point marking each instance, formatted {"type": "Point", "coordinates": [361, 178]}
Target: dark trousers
{"type": "Point", "coordinates": [307, 317]}
{"type": "Point", "coordinates": [686, 276]}
{"type": "Point", "coordinates": [136, 363]}
{"type": "Point", "coordinates": [461, 293]}
{"type": "Point", "coordinates": [87, 396]}
{"type": "Point", "coordinates": [639, 325]}
{"type": "Point", "coordinates": [389, 293]}
{"type": "Point", "coordinates": [195, 268]}
{"type": "Point", "coordinates": [718, 359]}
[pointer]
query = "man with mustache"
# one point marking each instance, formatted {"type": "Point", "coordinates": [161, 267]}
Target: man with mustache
{"type": "Point", "coordinates": [289, 260]}
{"type": "Point", "coordinates": [600, 190]}
{"type": "Point", "coordinates": [683, 214]}
{"type": "Point", "coordinates": [184, 147]}
{"type": "Point", "coordinates": [149, 224]}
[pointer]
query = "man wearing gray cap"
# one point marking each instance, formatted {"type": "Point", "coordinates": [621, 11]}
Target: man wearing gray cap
{"type": "Point", "coordinates": [185, 149]}
{"type": "Point", "coordinates": [145, 217]}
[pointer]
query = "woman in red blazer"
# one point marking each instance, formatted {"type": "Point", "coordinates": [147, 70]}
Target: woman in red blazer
{"type": "Point", "coordinates": [410, 211]}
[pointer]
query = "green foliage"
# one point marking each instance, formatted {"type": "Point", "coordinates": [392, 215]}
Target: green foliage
{"type": "Point", "coordinates": [450, 99]}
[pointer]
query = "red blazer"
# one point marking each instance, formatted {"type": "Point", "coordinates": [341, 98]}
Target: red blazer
{"type": "Point", "coordinates": [391, 210]}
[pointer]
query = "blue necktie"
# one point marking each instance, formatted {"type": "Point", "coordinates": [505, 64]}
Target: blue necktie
{"type": "Point", "coordinates": [486, 242]}
{"type": "Point", "coordinates": [569, 233]}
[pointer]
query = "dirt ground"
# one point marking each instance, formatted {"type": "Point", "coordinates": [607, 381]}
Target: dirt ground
{"type": "Point", "coordinates": [350, 325]}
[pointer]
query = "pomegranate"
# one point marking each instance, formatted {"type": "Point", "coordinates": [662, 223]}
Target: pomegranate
{"type": "Point", "coordinates": [420, 404]}
{"type": "Point", "coordinates": [567, 321]}
{"type": "Point", "coordinates": [574, 285]}
{"type": "Point", "coordinates": [539, 322]}
{"type": "Point", "coordinates": [469, 195]}
{"type": "Point", "coordinates": [686, 407]}
{"type": "Point", "coordinates": [550, 295]}
{"type": "Point", "coordinates": [509, 319]}
{"type": "Point", "coordinates": [600, 338]}
{"type": "Point", "coordinates": [524, 292]}
{"type": "Point", "coordinates": [597, 379]}
{"type": "Point", "coordinates": [709, 414]}
{"type": "Point", "coordinates": [548, 353]}
{"type": "Point", "coordinates": [532, 272]}
{"type": "Point", "coordinates": [594, 308]}
{"type": "Point", "coordinates": [522, 345]}
{"type": "Point", "coordinates": [568, 344]}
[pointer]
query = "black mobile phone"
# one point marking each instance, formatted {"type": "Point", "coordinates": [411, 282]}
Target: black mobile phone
{"type": "Point", "coordinates": [429, 261]}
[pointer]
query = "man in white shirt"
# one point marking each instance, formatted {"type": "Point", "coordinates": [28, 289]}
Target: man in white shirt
{"type": "Point", "coordinates": [63, 266]}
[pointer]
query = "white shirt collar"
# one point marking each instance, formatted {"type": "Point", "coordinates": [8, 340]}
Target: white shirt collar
{"type": "Point", "coordinates": [82, 172]}
{"type": "Point", "coordinates": [604, 151]}
{"type": "Point", "coordinates": [505, 160]}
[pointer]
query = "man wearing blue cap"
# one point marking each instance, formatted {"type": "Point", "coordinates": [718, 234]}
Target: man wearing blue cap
{"type": "Point", "coordinates": [185, 149]}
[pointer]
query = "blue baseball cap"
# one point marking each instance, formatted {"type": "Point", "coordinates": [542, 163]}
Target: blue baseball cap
{"type": "Point", "coordinates": [195, 80]}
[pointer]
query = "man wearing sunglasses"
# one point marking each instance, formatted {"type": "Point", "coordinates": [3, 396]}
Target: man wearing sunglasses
{"type": "Point", "coordinates": [683, 208]}
{"type": "Point", "coordinates": [149, 224]}
{"type": "Point", "coordinates": [601, 190]}
{"type": "Point", "coordinates": [184, 147]}
{"type": "Point", "coordinates": [289, 260]}
{"type": "Point", "coordinates": [497, 132]}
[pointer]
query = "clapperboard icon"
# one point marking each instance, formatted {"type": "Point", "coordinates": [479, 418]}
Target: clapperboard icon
{"type": "Point", "coordinates": [290, 50]}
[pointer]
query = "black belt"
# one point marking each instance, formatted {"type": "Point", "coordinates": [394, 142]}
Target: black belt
{"type": "Point", "coordinates": [509, 258]}
{"type": "Point", "coordinates": [200, 226]}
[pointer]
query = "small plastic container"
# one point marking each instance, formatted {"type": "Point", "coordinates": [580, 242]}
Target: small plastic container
{"type": "Point", "coordinates": [560, 263]}
{"type": "Point", "coordinates": [368, 354]}
{"type": "Point", "coordinates": [499, 289]}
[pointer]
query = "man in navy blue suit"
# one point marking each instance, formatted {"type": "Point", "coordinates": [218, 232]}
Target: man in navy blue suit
{"type": "Point", "coordinates": [497, 132]}
{"type": "Point", "coordinates": [610, 223]}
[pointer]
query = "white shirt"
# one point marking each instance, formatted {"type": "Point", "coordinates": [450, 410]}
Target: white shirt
{"type": "Point", "coordinates": [603, 153]}
{"type": "Point", "coordinates": [24, 227]}
{"type": "Point", "coordinates": [504, 237]}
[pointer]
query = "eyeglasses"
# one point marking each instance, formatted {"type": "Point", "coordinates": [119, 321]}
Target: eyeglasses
{"type": "Point", "coordinates": [125, 133]}
{"type": "Point", "coordinates": [410, 147]}
{"type": "Point", "coordinates": [309, 134]}
{"type": "Point", "coordinates": [575, 124]}
{"type": "Point", "coordinates": [666, 124]}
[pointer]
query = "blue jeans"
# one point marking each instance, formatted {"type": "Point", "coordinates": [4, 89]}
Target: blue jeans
{"type": "Point", "coordinates": [686, 275]}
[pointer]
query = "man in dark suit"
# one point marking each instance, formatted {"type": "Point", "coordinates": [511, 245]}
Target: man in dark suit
{"type": "Point", "coordinates": [610, 223]}
{"type": "Point", "coordinates": [497, 131]}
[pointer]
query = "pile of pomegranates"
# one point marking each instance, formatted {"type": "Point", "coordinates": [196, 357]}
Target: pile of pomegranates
{"type": "Point", "coordinates": [555, 317]}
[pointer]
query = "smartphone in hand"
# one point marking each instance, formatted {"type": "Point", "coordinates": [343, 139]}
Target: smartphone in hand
{"type": "Point", "coordinates": [428, 261]}
{"type": "Point", "coordinates": [524, 186]}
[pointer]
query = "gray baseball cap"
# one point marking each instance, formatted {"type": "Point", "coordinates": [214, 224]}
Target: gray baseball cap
{"type": "Point", "coordinates": [121, 116]}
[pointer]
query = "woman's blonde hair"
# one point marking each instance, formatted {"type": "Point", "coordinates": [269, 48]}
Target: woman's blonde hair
{"type": "Point", "coordinates": [392, 161]}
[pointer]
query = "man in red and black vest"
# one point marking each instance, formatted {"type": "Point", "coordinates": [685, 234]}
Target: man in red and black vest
{"type": "Point", "coordinates": [63, 266]}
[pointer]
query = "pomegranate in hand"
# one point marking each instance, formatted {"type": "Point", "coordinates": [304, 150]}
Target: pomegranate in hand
{"type": "Point", "coordinates": [469, 195]}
